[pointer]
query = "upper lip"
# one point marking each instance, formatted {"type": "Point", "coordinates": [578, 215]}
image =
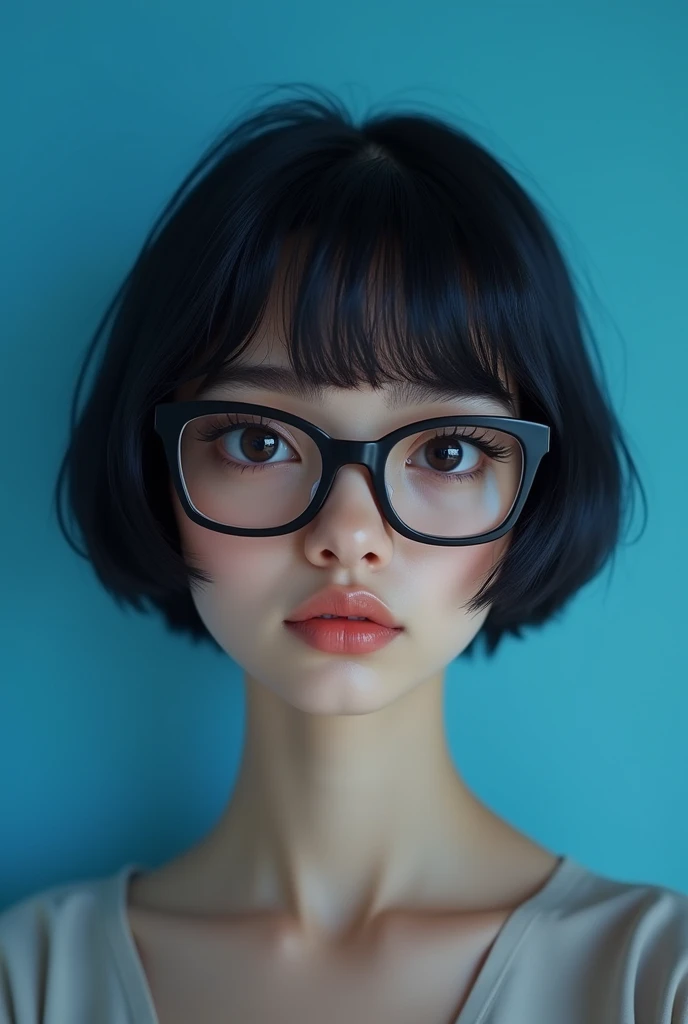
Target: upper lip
{"type": "Point", "coordinates": [345, 601]}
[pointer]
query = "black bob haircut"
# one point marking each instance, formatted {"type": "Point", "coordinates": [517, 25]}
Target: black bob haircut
{"type": "Point", "coordinates": [471, 281]}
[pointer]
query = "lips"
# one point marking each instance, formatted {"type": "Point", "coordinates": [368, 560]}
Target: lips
{"type": "Point", "coordinates": [344, 602]}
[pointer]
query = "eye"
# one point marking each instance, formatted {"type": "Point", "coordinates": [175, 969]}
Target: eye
{"type": "Point", "coordinates": [241, 439]}
{"type": "Point", "coordinates": [258, 444]}
{"type": "Point", "coordinates": [448, 453]}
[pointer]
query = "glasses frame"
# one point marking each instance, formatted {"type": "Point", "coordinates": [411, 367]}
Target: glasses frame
{"type": "Point", "coordinates": [171, 417]}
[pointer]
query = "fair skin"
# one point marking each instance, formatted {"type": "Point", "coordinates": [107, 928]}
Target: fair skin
{"type": "Point", "coordinates": [349, 827]}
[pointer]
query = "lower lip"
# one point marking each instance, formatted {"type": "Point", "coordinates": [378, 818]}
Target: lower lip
{"type": "Point", "coordinates": [341, 636]}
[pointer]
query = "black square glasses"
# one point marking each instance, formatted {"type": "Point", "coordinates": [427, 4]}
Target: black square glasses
{"type": "Point", "coordinates": [172, 417]}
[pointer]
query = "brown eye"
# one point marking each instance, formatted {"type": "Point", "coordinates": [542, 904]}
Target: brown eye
{"type": "Point", "coordinates": [445, 454]}
{"type": "Point", "coordinates": [255, 443]}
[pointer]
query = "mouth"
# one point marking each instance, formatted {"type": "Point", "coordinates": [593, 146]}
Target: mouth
{"type": "Point", "coordinates": [343, 618]}
{"type": "Point", "coordinates": [343, 634]}
{"type": "Point", "coordinates": [346, 618]}
{"type": "Point", "coordinates": [345, 604]}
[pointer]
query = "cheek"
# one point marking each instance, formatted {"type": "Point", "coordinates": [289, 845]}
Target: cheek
{"type": "Point", "coordinates": [242, 569]}
{"type": "Point", "coordinates": [483, 558]}
{"type": "Point", "coordinates": [232, 560]}
{"type": "Point", "coordinates": [461, 572]}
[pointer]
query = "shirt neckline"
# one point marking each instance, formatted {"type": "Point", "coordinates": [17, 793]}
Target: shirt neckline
{"type": "Point", "coordinates": [510, 936]}
{"type": "Point", "coordinates": [127, 960]}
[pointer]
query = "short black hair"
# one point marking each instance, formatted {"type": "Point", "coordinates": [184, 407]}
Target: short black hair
{"type": "Point", "coordinates": [471, 280]}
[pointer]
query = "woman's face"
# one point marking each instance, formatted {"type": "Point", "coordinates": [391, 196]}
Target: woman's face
{"type": "Point", "coordinates": [259, 581]}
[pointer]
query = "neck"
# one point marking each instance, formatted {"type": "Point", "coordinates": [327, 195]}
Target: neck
{"type": "Point", "coordinates": [340, 817]}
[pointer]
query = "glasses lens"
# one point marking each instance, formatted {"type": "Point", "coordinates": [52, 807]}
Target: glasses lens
{"type": "Point", "coordinates": [451, 481]}
{"type": "Point", "coordinates": [246, 471]}
{"type": "Point", "coordinates": [454, 481]}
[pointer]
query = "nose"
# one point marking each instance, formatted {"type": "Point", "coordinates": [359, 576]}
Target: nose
{"type": "Point", "coordinates": [351, 525]}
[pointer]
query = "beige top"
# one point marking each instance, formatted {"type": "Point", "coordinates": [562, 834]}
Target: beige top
{"type": "Point", "coordinates": [585, 949]}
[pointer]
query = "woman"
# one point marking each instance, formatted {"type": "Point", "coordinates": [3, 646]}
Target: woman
{"type": "Point", "coordinates": [345, 427]}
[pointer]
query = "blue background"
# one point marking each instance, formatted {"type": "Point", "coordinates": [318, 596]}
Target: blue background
{"type": "Point", "coordinates": [120, 742]}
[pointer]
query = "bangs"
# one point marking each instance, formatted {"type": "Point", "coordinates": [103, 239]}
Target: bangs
{"type": "Point", "coordinates": [378, 276]}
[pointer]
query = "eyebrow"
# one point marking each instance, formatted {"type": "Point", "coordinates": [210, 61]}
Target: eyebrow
{"type": "Point", "coordinates": [283, 379]}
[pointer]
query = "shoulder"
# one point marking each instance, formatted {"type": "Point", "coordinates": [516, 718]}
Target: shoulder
{"type": "Point", "coordinates": [55, 955]}
{"type": "Point", "coordinates": [627, 941]}
{"type": "Point", "coordinates": [652, 947]}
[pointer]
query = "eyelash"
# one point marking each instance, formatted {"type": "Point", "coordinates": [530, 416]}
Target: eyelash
{"type": "Point", "coordinates": [495, 451]}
